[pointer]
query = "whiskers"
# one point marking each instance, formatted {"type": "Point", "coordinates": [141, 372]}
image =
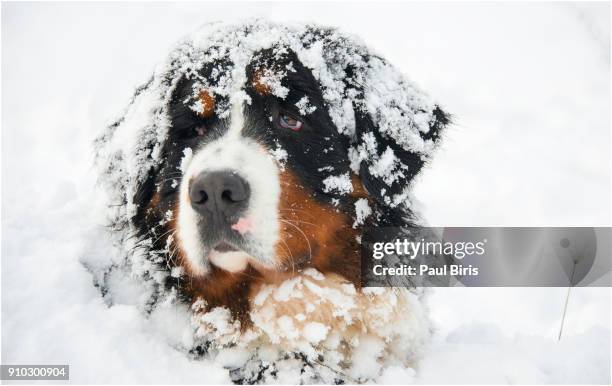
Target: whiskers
{"type": "Point", "coordinates": [293, 224]}
{"type": "Point", "coordinates": [290, 256]}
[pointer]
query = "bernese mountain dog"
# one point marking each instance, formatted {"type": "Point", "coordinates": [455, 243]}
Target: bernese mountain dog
{"type": "Point", "coordinates": [242, 176]}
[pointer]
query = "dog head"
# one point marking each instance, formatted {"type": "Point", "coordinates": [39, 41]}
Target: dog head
{"type": "Point", "coordinates": [269, 147]}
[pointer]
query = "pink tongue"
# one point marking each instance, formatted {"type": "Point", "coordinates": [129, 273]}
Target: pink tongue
{"type": "Point", "coordinates": [242, 226]}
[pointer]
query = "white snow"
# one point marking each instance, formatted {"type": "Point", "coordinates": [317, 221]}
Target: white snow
{"type": "Point", "coordinates": [187, 155]}
{"type": "Point", "coordinates": [304, 106]}
{"type": "Point", "coordinates": [338, 330]}
{"type": "Point", "coordinates": [539, 97]}
{"type": "Point", "coordinates": [387, 166]}
{"type": "Point", "coordinates": [272, 80]}
{"type": "Point", "coordinates": [524, 359]}
{"type": "Point", "coordinates": [362, 211]}
{"type": "Point", "coordinates": [315, 332]}
{"type": "Point", "coordinates": [338, 184]}
{"type": "Point", "coordinates": [280, 155]}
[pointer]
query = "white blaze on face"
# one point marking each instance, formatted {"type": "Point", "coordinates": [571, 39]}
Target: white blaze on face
{"type": "Point", "coordinates": [259, 223]}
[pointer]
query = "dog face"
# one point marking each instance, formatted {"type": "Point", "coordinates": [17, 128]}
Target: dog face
{"type": "Point", "coordinates": [264, 150]}
{"type": "Point", "coordinates": [264, 184]}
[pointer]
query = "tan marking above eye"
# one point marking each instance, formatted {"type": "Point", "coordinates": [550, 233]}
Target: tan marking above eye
{"type": "Point", "coordinates": [208, 104]}
{"type": "Point", "coordinates": [259, 84]}
{"type": "Point", "coordinates": [359, 191]}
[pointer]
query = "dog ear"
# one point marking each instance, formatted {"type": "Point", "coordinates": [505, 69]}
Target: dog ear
{"type": "Point", "coordinates": [397, 128]}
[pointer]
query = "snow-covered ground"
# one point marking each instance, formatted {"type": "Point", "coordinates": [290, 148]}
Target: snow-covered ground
{"type": "Point", "coordinates": [528, 84]}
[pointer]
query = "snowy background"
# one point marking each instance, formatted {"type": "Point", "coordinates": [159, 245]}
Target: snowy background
{"type": "Point", "coordinates": [528, 84]}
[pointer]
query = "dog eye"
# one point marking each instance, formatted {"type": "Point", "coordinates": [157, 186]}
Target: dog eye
{"type": "Point", "coordinates": [198, 131]}
{"type": "Point", "coordinates": [289, 122]}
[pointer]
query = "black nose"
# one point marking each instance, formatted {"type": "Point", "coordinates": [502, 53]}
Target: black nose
{"type": "Point", "coordinates": [220, 194]}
